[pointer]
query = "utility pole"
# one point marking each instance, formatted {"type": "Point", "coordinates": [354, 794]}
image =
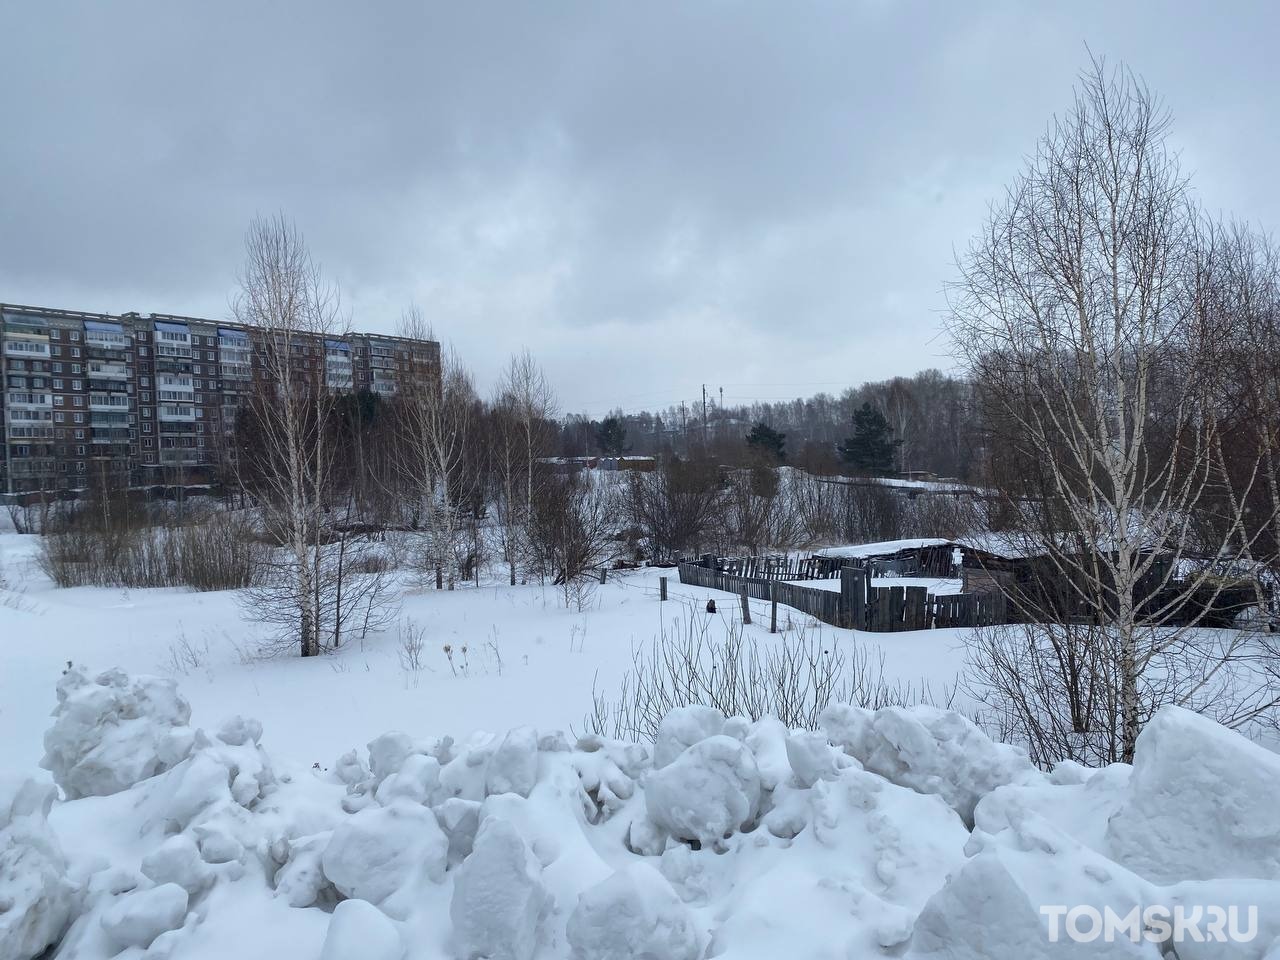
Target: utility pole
{"type": "Point", "coordinates": [720, 424]}
{"type": "Point", "coordinates": [704, 418]}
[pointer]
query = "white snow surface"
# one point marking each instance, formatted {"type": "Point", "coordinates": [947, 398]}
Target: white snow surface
{"type": "Point", "coordinates": [374, 815]}
{"type": "Point", "coordinates": [752, 842]}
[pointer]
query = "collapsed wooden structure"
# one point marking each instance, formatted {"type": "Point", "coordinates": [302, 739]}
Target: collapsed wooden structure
{"type": "Point", "coordinates": [858, 604]}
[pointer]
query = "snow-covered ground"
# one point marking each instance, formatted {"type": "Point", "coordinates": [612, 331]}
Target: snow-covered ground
{"type": "Point", "coordinates": [527, 659]}
{"type": "Point", "coordinates": [335, 809]}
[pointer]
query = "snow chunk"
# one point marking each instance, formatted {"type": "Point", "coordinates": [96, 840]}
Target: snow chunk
{"type": "Point", "coordinates": [634, 915]}
{"type": "Point", "coordinates": [414, 781]}
{"type": "Point", "coordinates": [1202, 803]}
{"type": "Point", "coordinates": [682, 728]}
{"type": "Point", "coordinates": [114, 731]}
{"type": "Point", "coordinates": [301, 881]}
{"type": "Point", "coordinates": [990, 908]}
{"type": "Point", "coordinates": [359, 931]}
{"type": "Point", "coordinates": [177, 860]}
{"type": "Point", "coordinates": [35, 897]}
{"type": "Point", "coordinates": [384, 851]}
{"type": "Point", "coordinates": [707, 792]}
{"type": "Point", "coordinates": [138, 918]}
{"type": "Point", "coordinates": [812, 758]}
{"type": "Point", "coordinates": [240, 730]}
{"type": "Point", "coordinates": [513, 767]}
{"type": "Point", "coordinates": [929, 750]}
{"type": "Point", "coordinates": [498, 897]}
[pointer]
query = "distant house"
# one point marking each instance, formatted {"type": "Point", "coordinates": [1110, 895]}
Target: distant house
{"type": "Point", "coordinates": [608, 464]}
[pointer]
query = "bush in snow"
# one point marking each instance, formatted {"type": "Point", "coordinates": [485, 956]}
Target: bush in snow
{"type": "Point", "coordinates": [1201, 803]}
{"type": "Point", "coordinates": [634, 915]}
{"type": "Point", "coordinates": [498, 897]}
{"type": "Point", "coordinates": [36, 899]}
{"type": "Point", "coordinates": [707, 792]}
{"type": "Point", "coordinates": [114, 731]}
{"type": "Point", "coordinates": [929, 750]}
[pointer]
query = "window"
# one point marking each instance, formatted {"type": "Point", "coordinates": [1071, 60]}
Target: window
{"type": "Point", "coordinates": [145, 381]}
{"type": "Point", "coordinates": [144, 351]}
{"type": "Point", "coordinates": [57, 368]}
{"type": "Point", "coordinates": [59, 417]}
{"type": "Point", "coordinates": [79, 448]}
{"type": "Point", "coordinates": [146, 428]}
{"type": "Point", "coordinates": [57, 384]}
{"type": "Point", "coordinates": [79, 401]}
{"type": "Point", "coordinates": [57, 401]}
{"type": "Point", "coordinates": [148, 441]}
{"type": "Point", "coordinates": [76, 368]}
{"type": "Point", "coordinates": [146, 412]}
{"type": "Point", "coordinates": [75, 334]}
{"type": "Point", "coordinates": [146, 396]}
{"type": "Point", "coordinates": [75, 351]}
{"type": "Point", "coordinates": [55, 334]}
{"type": "Point", "coordinates": [79, 417]}
{"type": "Point", "coordinates": [56, 351]}
{"type": "Point", "coordinates": [77, 384]}
{"type": "Point", "coordinates": [79, 434]}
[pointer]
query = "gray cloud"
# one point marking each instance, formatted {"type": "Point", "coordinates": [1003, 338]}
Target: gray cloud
{"type": "Point", "coordinates": [650, 196]}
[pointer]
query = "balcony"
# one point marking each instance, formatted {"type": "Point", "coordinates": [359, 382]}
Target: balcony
{"type": "Point", "coordinates": [170, 413]}
{"type": "Point", "coordinates": [101, 340]}
{"type": "Point", "coordinates": [17, 432]}
{"type": "Point", "coordinates": [27, 349]}
{"type": "Point", "coordinates": [108, 371]}
{"type": "Point", "coordinates": [30, 401]}
{"type": "Point", "coordinates": [109, 403]}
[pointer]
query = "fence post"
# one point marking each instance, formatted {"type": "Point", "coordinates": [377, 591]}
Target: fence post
{"type": "Point", "coordinates": [604, 573]}
{"type": "Point", "coordinates": [439, 578]}
{"type": "Point", "coordinates": [853, 598]}
{"type": "Point", "coordinates": [773, 608]}
{"type": "Point", "coordinates": [662, 588]}
{"type": "Point", "coordinates": [746, 608]}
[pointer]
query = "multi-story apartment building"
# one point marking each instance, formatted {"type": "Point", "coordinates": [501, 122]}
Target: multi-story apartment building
{"type": "Point", "coordinates": [147, 400]}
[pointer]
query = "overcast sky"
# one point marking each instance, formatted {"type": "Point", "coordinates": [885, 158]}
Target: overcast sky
{"type": "Point", "coordinates": [649, 196]}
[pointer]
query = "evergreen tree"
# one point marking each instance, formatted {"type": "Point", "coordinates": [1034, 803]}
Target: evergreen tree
{"type": "Point", "coordinates": [764, 439]}
{"type": "Point", "coordinates": [612, 437]}
{"type": "Point", "coordinates": [872, 448]}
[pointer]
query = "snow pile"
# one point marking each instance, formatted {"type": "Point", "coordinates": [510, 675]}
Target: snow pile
{"type": "Point", "coordinates": [899, 832]}
{"type": "Point", "coordinates": [36, 898]}
{"type": "Point", "coordinates": [114, 731]}
{"type": "Point", "coordinates": [1200, 805]}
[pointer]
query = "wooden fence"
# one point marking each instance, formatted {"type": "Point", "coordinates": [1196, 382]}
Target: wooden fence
{"type": "Point", "coordinates": [857, 604]}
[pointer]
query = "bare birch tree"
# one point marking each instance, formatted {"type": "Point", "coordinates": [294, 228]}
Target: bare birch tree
{"type": "Point", "coordinates": [1076, 309]}
{"type": "Point", "coordinates": [435, 414]}
{"type": "Point", "coordinates": [284, 295]}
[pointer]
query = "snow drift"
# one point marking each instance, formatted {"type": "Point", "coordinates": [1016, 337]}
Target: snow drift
{"type": "Point", "coordinates": [899, 832]}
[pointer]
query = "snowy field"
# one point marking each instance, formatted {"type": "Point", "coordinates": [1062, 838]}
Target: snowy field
{"type": "Point", "coordinates": [527, 659]}
{"type": "Point", "coordinates": [347, 809]}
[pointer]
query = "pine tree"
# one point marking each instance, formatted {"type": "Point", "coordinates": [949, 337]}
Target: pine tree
{"type": "Point", "coordinates": [872, 448]}
{"type": "Point", "coordinates": [764, 439]}
{"type": "Point", "coordinates": [612, 437]}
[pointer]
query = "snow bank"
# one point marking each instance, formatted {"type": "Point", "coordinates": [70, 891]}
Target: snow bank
{"type": "Point", "coordinates": [929, 750]}
{"type": "Point", "coordinates": [1202, 804]}
{"type": "Point", "coordinates": [726, 838]}
{"type": "Point", "coordinates": [114, 731]}
{"type": "Point", "coordinates": [36, 899]}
